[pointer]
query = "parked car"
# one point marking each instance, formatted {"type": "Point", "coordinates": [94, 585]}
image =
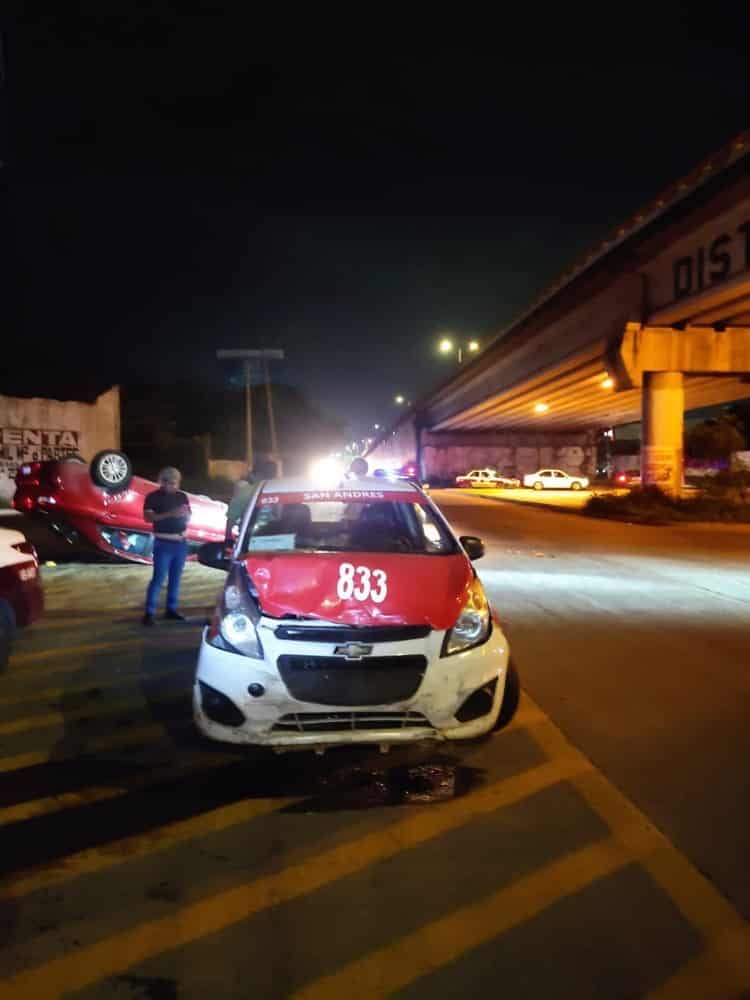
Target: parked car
{"type": "Point", "coordinates": [628, 477]}
{"type": "Point", "coordinates": [486, 479]}
{"type": "Point", "coordinates": [101, 505]}
{"type": "Point", "coordinates": [21, 594]}
{"type": "Point", "coordinates": [555, 479]}
{"type": "Point", "coordinates": [350, 615]}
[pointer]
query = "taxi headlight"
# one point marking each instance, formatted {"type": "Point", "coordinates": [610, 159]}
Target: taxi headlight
{"type": "Point", "coordinates": [238, 630]}
{"type": "Point", "coordinates": [474, 623]}
{"type": "Point", "coordinates": [238, 614]}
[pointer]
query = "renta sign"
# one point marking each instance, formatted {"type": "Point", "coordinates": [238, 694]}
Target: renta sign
{"type": "Point", "coordinates": [726, 254]}
{"type": "Point", "coordinates": [28, 444]}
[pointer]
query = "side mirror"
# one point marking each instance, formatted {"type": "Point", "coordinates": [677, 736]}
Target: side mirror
{"type": "Point", "coordinates": [474, 546]}
{"type": "Point", "coordinates": [215, 554]}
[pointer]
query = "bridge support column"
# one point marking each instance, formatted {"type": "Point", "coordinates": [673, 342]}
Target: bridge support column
{"type": "Point", "coordinates": [663, 405]}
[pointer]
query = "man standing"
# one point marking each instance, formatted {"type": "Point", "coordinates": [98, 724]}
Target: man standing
{"type": "Point", "coordinates": [169, 511]}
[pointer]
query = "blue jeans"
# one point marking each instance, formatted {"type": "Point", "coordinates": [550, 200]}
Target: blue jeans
{"type": "Point", "coordinates": [169, 559]}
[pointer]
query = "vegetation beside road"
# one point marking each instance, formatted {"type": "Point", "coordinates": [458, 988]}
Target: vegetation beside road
{"type": "Point", "coordinates": [726, 498]}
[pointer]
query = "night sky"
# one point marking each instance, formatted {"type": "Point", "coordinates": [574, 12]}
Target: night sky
{"type": "Point", "coordinates": [177, 183]}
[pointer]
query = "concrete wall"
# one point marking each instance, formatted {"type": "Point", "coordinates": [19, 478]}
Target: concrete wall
{"type": "Point", "coordinates": [39, 429]}
{"type": "Point", "coordinates": [227, 467]}
{"type": "Point", "coordinates": [445, 456]}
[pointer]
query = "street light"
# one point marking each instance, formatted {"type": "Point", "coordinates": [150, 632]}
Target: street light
{"type": "Point", "coordinates": [399, 400]}
{"type": "Point", "coordinates": [247, 358]}
{"type": "Point", "coordinates": [447, 346]}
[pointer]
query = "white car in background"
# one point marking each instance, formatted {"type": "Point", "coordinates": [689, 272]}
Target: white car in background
{"type": "Point", "coordinates": [486, 478]}
{"type": "Point", "coordinates": [554, 479]}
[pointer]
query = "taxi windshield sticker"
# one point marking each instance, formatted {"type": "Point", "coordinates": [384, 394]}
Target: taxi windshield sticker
{"type": "Point", "coordinates": [272, 543]}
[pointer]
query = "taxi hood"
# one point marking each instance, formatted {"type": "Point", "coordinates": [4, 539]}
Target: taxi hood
{"type": "Point", "coordinates": [362, 588]}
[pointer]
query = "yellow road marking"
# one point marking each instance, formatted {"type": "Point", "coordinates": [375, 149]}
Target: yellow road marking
{"type": "Point", "coordinates": [721, 970]}
{"type": "Point", "coordinates": [126, 738]}
{"type": "Point", "coordinates": [702, 905]}
{"type": "Point", "coordinates": [118, 852]}
{"type": "Point", "coordinates": [526, 717]}
{"type": "Point", "coordinates": [208, 916]}
{"type": "Point", "coordinates": [93, 711]}
{"type": "Point", "coordinates": [101, 793]}
{"type": "Point", "coordinates": [20, 659]}
{"type": "Point", "coordinates": [54, 694]}
{"type": "Point", "coordinates": [415, 955]}
{"type": "Point", "coordinates": [46, 669]}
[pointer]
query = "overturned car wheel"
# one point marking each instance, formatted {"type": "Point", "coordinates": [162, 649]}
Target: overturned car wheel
{"type": "Point", "coordinates": [112, 470]}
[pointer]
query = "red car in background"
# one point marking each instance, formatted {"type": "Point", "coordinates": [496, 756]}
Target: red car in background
{"type": "Point", "coordinates": [628, 477]}
{"type": "Point", "coordinates": [102, 505]}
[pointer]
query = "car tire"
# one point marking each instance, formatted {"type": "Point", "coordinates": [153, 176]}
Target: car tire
{"type": "Point", "coordinates": [7, 631]}
{"type": "Point", "coordinates": [111, 470]}
{"type": "Point", "coordinates": [511, 697]}
{"type": "Point", "coordinates": [537, 485]}
{"type": "Point", "coordinates": [7, 616]}
{"type": "Point", "coordinates": [575, 486]}
{"type": "Point", "coordinates": [5, 644]}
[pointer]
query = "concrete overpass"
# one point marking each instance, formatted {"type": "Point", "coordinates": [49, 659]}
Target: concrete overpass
{"type": "Point", "coordinates": [654, 321]}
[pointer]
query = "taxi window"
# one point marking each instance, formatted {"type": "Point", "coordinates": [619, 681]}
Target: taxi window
{"type": "Point", "coordinates": [287, 523]}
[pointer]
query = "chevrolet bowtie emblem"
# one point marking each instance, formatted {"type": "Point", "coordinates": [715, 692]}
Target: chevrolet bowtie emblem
{"type": "Point", "coordinates": [353, 650]}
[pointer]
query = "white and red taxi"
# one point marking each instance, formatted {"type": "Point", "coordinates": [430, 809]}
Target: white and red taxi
{"type": "Point", "coordinates": [350, 615]}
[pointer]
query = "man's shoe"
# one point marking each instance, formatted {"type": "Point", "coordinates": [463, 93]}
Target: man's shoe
{"type": "Point", "coordinates": [148, 619]}
{"type": "Point", "coordinates": [174, 616]}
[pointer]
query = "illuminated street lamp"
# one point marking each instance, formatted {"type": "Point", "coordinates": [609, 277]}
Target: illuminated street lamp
{"type": "Point", "coordinates": [399, 400]}
{"type": "Point", "coordinates": [447, 346]}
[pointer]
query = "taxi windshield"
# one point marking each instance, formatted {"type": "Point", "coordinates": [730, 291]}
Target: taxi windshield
{"type": "Point", "coordinates": [287, 522]}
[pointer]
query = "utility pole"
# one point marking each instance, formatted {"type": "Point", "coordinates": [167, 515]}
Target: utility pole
{"type": "Point", "coordinates": [247, 358]}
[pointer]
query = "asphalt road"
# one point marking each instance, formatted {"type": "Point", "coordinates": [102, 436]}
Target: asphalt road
{"type": "Point", "coordinates": [636, 640]}
{"type": "Point", "coordinates": [593, 849]}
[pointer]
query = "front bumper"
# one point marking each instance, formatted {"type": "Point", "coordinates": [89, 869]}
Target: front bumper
{"type": "Point", "coordinates": [275, 718]}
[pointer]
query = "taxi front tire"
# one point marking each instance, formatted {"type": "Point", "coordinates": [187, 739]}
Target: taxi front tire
{"type": "Point", "coordinates": [511, 697]}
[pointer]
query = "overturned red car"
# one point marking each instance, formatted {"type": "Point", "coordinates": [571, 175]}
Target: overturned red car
{"type": "Point", "coordinates": [101, 505]}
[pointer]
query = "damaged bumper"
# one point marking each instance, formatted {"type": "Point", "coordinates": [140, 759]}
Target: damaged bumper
{"type": "Point", "coordinates": [303, 695]}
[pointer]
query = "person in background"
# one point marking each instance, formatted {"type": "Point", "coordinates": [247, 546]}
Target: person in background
{"type": "Point", "coordinates": [263, 468]}
{"type": "Point", "coordinates": [168, 510]}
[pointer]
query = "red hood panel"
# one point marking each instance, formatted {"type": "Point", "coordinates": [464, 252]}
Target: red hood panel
{"type": "Point", "coordinates": [416, 590]}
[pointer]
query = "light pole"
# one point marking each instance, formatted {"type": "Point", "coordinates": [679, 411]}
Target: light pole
{"type": "Point", "coordinates": [447, 346]}
{"type": "Point", "coordinates": [247, 358]}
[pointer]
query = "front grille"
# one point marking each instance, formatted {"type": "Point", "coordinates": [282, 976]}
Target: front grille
{"type": "Point", "coordinates": [334, 680]}
{"type": "Point", "coordinates": [351, 633]}
{"type": "Point", "coordinates": [344, 722]}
